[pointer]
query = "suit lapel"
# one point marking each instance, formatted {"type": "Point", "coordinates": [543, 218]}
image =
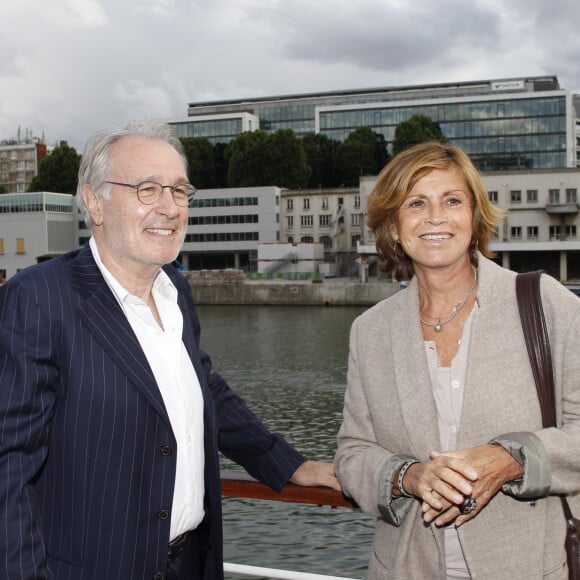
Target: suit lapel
{"type": "Point", "coordinates": [412, 376]}
{"type": "Point", "coordinates": [103, 317]}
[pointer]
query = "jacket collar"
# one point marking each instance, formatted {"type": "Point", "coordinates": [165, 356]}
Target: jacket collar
{"type": "Point", "coordinates": [103, 317]}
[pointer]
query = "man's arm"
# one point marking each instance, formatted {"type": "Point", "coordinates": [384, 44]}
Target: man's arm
{"type": "Point", "coordinates": [27, 372]}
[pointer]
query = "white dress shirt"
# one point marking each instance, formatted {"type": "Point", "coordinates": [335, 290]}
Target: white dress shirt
{"type": "Point", "coordinates": [178, 384]}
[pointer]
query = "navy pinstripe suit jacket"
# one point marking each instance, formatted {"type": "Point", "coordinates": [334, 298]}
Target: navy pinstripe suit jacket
{"type": "Point", "coordinates": [87, 454]}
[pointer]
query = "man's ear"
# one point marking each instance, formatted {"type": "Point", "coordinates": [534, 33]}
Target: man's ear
{"type": "Point", "coordinates": [94, 204]}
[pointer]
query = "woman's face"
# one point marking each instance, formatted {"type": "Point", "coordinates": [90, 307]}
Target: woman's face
{"type": "Point", "coordinates": [435, 222]}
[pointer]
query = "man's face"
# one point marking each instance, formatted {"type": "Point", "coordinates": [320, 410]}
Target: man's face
{"type": "Point", "coordinates": [135, 239]}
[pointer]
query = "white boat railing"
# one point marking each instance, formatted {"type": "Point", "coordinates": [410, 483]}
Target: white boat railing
{"type": "Point", "coordinates": [243, 570]}
{"type": "Point", "coordinates": [236, 484]}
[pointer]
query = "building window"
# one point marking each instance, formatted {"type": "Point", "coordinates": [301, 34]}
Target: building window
{"type": "Point", "coordinates": [554, 196]}
{"type": "Point", "coordinates": [20, 246]}
{"type": "Point", "coordinates": [532, 195]}
{"type": "Point", "coordinates": [354, 239]}
{"type": "Point", "coordinates": [571, 195]}
{"type": "Point", "coordinates": [516, 232]}
{"type": "Point", "coordinates": [306, 221]}
{"type": "Point", "coordinates": [326, 241]}
{"type": "Point", "coordinates": [290, 221]}
{"type": "Point", "coordinates": [554, 232]}
{"type": "Point", "coordinates": [515, 196]}
{"type": "Point", "coordinates": [307, 239]}
{"type": "Point", "coordinates": [356, 201]}
{"type": "Point", "coordinates": [492, 196]}
{"type": "Point", "coordinates": [325, 203]}
{"type": "Point", "coordinates": [290, 239]}
{"type": "Point", "coordinates": [532, 232]}
{"type": "Point", "coordinates": [324, 220]}
{"type": "Point", "coordinates": [356, 219]}
{"type": "Point", "coordinates": [306, 203]}
{"type": "Point", "coordinates": [290, 204]}
{"type": "Point", "coordinates": [571, 231]}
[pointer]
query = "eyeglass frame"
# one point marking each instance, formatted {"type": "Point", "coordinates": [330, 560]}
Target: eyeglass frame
{"type": "Point", "coordinates": [171, 188]}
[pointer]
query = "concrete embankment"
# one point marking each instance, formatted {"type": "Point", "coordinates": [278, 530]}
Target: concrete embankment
{"type": "Point", "coordinates": [329, 292]}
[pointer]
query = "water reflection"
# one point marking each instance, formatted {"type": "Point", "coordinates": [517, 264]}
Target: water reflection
{"type": "Point", "coordinates": [289, 364]}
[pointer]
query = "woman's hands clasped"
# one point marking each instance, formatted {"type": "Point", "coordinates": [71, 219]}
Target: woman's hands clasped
{"type": "Point", "coordinates": [448, 478]}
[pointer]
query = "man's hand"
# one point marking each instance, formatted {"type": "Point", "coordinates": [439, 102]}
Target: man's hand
{"type": "Point", "coordinates": [316, 473]}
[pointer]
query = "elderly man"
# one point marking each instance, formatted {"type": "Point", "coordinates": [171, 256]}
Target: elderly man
{"type": "Point", "coordinates": [110, 415]}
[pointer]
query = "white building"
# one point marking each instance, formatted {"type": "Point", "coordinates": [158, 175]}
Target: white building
{"type": "Point", "coordinates": [34, 227]}
{"type": "Point", "coordinates": [333, 217]}
{"type": "Point", "coordinates": [279, 258]}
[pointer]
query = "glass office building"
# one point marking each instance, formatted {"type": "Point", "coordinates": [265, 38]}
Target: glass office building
{"type": "Point", "coordinates": [518, 123]}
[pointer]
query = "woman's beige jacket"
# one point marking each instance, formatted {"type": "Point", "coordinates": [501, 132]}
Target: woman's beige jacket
{"type": "Point", "coordinates": [390, 410]}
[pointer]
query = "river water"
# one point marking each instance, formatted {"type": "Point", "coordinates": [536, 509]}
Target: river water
{"type": "Point", "coordinates": [289, 364]}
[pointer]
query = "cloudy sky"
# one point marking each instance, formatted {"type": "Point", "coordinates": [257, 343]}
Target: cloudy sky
{"type": "Point", "coordinates": [71, 67]}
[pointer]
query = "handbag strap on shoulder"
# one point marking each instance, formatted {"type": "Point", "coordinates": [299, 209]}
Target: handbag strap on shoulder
{"type": "Point", "coordinates": [537, 341]}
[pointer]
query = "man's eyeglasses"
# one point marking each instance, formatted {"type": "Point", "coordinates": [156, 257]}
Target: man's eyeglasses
{"type": "Point", "coordinates": [148, 192]}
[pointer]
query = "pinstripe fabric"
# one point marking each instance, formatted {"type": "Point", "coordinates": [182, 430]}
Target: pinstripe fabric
{"type": "Point", "coordinates": [82, 424]}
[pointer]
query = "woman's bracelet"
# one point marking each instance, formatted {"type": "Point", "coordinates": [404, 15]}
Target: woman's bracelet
{"type": "Point", "coordinates": [402, 472]}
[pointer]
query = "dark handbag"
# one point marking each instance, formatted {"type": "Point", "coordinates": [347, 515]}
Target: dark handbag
{"type": "Point", "coordinates": [538, 344]}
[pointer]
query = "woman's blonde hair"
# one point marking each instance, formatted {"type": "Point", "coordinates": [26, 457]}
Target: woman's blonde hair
{"type": "Point", "coordinates": [394, 183]}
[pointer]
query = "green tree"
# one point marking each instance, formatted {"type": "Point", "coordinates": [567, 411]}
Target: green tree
{"type": "Point", "coordinates": [220, 164]}
{"type": "Point", "coordinates": [58, 171]}
{"type": "Point", "coordinates": [416, 129]}
{"type": "Point", "coordinates": [288, 164]}
{"type": "Point", "coordinates": [360, 153]}
{"type": "Point", "coordinates": [200, 158]}
{"type": "Point", "coordinates": [321, 154]}
{"type": "Point", "coordinates": [3, 189]}
{"type": "Point", "coordinates": [247, 157]}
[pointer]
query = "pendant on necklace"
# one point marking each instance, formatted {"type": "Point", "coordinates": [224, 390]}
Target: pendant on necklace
{"type": "Point", "coordinates": [438, 327]}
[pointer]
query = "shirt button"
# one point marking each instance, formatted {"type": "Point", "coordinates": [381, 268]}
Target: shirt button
{"type": "Point", "coordinates": [163, 514]}
{"type": "Point", "coordinates": [159, 576]}
{"type": "Point", "coordinates": [166, 450]}
{"type": "Point", "coordinates": [455, 384]}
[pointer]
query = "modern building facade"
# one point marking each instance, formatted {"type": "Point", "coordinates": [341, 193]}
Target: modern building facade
{"type": "Point", "coordinates": [505, 124]}
{"type": "Point", "coordinates": [226, 226]}
{"type": "Point", "coordinates": [19, 161]}
{"type": "Point", "coordinates": [34, 227]}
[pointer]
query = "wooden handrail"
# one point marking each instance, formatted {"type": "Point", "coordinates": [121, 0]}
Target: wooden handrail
{"type": "Point", "coordinates": [240, 484]}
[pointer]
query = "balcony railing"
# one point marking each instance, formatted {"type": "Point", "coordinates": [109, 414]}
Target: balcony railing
{"type": "Point", "coordinates": [239, 484]}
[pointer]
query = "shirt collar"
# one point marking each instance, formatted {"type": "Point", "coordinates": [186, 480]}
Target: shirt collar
{"type": "Point", "coordinates": [161, 285]}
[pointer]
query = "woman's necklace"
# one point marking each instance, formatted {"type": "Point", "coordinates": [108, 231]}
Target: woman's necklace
{"type": "Point", "coordinates": [438, 326]}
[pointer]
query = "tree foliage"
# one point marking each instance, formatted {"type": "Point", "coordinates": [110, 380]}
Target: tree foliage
{"type": "Point", "coordinates": [256, 158]}
{"type": "Point", "coordinates": [321, 154]}
{"type": "Point", "coordinates": [3, 189]}
{"type": "Point", "coordinates": [58, 171]}
{"type": "Point", "coordinates": [288, 163]}
{"type": "Point", "coordinates": [201, 160]}
{"type": "Point", "coordinates": [363, 152]}
{"type": "Point", "coordinates": [247, 159]}
{"type": "Point", "coordinates": [416, 129]}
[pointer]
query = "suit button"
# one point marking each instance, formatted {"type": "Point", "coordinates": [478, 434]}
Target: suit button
{"type": "Point", "coordinates": [166, 450]}
{"type": "Point", "coordinates": [159, 576]}
{"type": "Point", "coordinates": [163, 514]}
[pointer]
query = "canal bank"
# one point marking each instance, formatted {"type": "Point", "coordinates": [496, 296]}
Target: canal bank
{"type": "Point", "coordinates": [231, 289]}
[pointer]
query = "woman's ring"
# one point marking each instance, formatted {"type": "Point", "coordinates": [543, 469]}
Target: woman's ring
{"type": "Point", "coordinates": [468, 505]}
